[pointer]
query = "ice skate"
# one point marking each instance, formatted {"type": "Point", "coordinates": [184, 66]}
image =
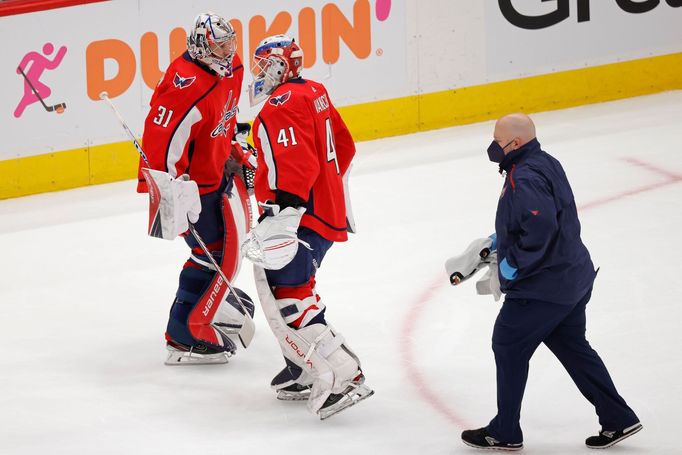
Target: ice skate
{"type": "Point", "coordinates": [337, 402]}
{"type": "Point", "coordinates": [290, 384]}
{"type": "Point", "coordinates": [182, 354]}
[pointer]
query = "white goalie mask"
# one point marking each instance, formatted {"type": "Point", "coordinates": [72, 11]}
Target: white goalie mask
{"type": "Point", "coordinates": [276, 60]}
{"type": "Point", "coordinates": [213, 42]}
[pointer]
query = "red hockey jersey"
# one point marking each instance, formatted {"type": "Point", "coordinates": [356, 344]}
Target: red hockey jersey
{"type": "Point", "coordinates": [304, 148]}
{"type": "Point", "coordinates": [190, 125]}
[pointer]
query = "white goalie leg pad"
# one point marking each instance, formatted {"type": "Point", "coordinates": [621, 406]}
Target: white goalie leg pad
{"type": "Point", "coordinates": [318, 349]}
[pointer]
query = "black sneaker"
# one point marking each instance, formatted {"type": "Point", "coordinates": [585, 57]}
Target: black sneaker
{"type": "Point", "coordinates": [481, 439]}
{"type": "Point", "coordinates": [606, 439]}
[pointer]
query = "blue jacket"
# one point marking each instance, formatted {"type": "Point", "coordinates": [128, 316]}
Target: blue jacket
{"type": "Point", "coordinates": [540, 254]}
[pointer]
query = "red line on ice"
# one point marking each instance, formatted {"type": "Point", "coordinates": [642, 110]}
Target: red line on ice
{"type": "Point", "coordinates": [418, 306]}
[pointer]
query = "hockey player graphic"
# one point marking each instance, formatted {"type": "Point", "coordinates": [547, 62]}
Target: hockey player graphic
{"type": "Point", "coordinates": [33, 65]}
{"type": "Point", "coordinates": [304, 152]}
{"type": "Point", "coordinates": [189, 133]}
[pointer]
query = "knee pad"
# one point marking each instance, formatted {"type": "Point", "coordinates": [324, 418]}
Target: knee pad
{"type": "Point", "coordinates": [300, 306]}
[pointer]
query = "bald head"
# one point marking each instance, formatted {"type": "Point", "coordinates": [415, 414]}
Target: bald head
{"type": "Point", "coordinates": [517, 128]}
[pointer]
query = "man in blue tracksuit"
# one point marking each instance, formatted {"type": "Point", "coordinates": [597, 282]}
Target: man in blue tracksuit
{"type": "Point", "coordinates": [547, 275]}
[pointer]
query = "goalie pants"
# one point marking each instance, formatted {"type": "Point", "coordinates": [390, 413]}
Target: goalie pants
{"type": "Point", "coordinates": [519, 329]}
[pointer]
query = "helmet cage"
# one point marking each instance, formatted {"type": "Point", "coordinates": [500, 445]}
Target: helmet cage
{"type": "Point", "coordinates": [276, 60]}
{"type": "Point", "coordinates": [213, 41]}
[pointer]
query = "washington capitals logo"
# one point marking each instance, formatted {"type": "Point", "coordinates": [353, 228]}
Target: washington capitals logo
{"type": "Point", "coordinates": [281, 99]}
{"type": "Point", "coordinates": [228, 113]}
{"type": "Point", "coordinates": [183, 82]}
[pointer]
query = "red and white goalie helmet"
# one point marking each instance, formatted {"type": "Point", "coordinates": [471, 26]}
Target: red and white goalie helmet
{"type": "Point", "coordinates": [276, 60]}
{"type": "Point", "coordinates": [213, 42]}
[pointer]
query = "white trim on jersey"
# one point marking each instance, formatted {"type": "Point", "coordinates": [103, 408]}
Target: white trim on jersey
{"type": "Point", "coordinates": [268, 156]}
{"type": "Point", "coordinates": [179, 141]}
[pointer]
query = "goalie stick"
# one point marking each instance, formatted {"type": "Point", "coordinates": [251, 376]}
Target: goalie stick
{"type": "Point", "coordinates": [248, 328]}
{"type": "Point", "coordinates": [58, 108]}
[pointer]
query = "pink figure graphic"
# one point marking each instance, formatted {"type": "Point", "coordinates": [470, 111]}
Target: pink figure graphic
{"type": "Point", "coordinates": [383, 9]}
{"type": "Point", "coordinates": [39, 63]}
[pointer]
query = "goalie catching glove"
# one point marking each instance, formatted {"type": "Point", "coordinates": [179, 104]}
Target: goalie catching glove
{"type": "Point", "coordinates": [479, 254]}
{"type": "Point", "coordinates": [173, 203]}
{"type": "Point", "coordinates": [273, 243]}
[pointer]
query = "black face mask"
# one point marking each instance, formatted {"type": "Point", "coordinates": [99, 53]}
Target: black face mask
{"type": "Point", "coordinates": [496, 151]}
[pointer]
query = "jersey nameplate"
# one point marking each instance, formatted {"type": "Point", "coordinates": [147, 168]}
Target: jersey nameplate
{"type": "Point", "coordinates": [321, 103]}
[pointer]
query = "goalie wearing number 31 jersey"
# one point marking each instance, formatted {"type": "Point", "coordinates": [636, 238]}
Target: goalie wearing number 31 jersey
{"type": "Point", "coordinates": [305, 150]}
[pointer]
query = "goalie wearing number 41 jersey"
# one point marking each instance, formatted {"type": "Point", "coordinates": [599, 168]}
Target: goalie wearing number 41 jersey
{"type": "Point", "coordinates": [304, 156]}
{"type": "Point", "coordinates": [306, 150]}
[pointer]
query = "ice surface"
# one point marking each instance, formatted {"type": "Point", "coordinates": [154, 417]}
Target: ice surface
{"type": "Point", "coordinates": [84, 297]}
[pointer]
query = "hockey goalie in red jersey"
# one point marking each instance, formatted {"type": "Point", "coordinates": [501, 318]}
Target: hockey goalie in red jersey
{"type": "Point", "coordinates": [191, 134]}
{"type": "Point", "coordinates": [304, 156]}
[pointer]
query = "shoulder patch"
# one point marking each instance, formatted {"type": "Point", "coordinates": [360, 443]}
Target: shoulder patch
{"type": "Point", "coordinates": [281, 99]}
{"type": "Point", "coordinates": [183, 82]}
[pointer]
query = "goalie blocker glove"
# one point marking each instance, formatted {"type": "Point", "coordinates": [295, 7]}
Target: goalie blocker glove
{"type": "Point", "coordinates": [173, 203]}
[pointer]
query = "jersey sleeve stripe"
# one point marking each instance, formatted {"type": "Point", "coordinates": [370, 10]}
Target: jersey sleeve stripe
{"type": "Point", "coordinates": [268, 156]}
{"type": "Point", "coordinates": [176, 148]}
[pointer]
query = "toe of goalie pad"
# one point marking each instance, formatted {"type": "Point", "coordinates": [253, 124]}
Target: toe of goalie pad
{"type": "Point", "coordinates": [231, 300]}
{"type": "Point", "coordinates": [333, 365]}
{"type": "Point", "coordinates": [352, 395]}
{"type": "Point", "coordinates": [463, 266]}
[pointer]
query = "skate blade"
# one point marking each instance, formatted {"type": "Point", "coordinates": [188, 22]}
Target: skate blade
{"type": "Point", "coordinates": [292, 396]}
{"type": "Point", "coordinates": [355, 396]}
{"type": "Point", "coordinates": [177, 358]}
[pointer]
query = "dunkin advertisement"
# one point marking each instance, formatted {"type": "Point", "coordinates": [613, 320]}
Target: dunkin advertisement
{"type": "Point", "coordinates": [57, 62]}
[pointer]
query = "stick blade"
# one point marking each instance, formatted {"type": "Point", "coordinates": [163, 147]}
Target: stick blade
{"type": "Point", "coordinates": [247, 331]}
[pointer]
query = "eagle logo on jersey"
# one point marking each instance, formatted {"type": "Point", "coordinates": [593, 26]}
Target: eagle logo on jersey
{"type": "Point", "coordinates": [281, 99]}
{"type": "Point", "coordinates": [183, 82]}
